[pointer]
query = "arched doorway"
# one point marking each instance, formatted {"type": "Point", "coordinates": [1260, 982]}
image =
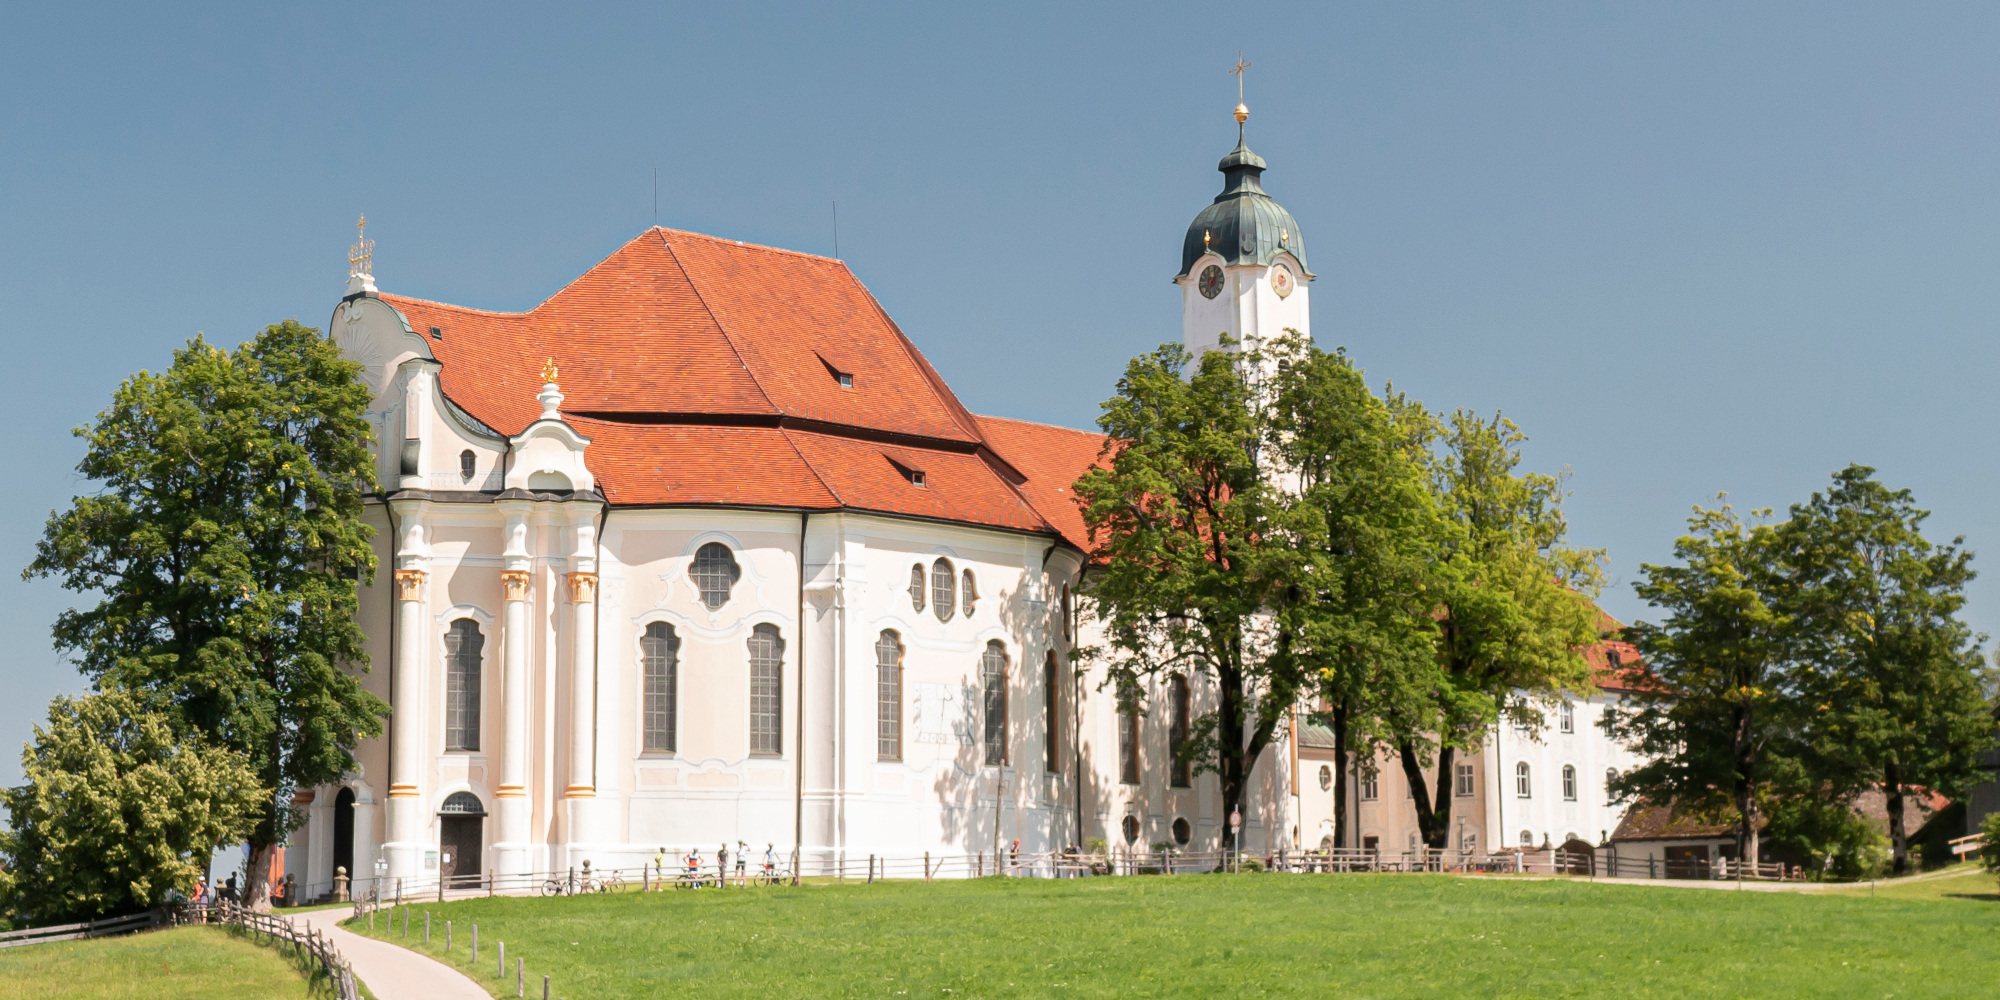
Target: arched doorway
{"type": "Point", "coordinates": [460, 837]}
{"type": "Point", "coordinates": [1578, 857]}
{"type": "Point", "coordinates": [343, 832]}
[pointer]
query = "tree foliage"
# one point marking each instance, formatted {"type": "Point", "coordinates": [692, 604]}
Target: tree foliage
{"type": "Point", "coordinates": [226, 544]}
{"type": "Point", "coordinates": [1891, 673]}
{"type": "Point", "coordinates": [1512, 608]}
{"type": "Point", "coordinates": [1190, 545]}
{"type": "Point", "coordinates": [1712, 719]}
{"type": "Point", "coordinates": [117, 811]}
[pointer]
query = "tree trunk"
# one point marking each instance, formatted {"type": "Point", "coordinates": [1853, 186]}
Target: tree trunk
{"type": "Point", "coordinates": [1899, 837]}
{"type": "Point", "coordinates": [1413, 773]}
{"type": "Point", "coordinates": [1232, 778]}
{"type": "Point", "coordinates": [1441, 805]}
{"type": "Point", "coordinates": [1340, 712]}
{"type": "Point", "coordinates": [1746, 788]}
{"type": "Point", "coordinates": [257, 881]}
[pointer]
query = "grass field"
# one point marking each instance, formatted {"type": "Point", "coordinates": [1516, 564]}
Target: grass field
{"type": "Point", "coordinates": [1960, 881]}
{"type": "Point", "coordinates": [183, 963]}
{"type": "Point", "coordinates": [1229, 936]}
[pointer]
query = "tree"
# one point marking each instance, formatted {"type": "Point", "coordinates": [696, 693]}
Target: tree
{"type": "Point", "coordinates": [227, 543]}
{"type": "Point", "coordinates": [1358, 612]}
{"type": "Point", "coordinates": [1715, 713]}
{"type": "Point", "coordinates": [1891, 674]}
{"type": "Point", "coordinates": [1511, 608]}
{"type": "Point", "coordinates": [1190, 543]}
{"type": "Point", "coordinates": [118, 810]}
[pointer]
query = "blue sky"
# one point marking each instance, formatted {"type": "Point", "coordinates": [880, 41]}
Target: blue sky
{"type": "Point", "coordinates": [1689, 248]}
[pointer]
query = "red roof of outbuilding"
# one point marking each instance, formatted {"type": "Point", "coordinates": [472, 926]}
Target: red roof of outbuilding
{"type": "Point", "coordinates": [707, 371]}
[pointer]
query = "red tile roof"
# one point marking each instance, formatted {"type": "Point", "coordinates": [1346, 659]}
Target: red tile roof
{"type": "Point", "coordinates": [705, 371]}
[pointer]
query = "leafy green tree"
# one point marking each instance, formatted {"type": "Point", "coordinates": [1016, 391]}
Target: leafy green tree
{"type": "Point", "coordinates": [117, 811]}
{"type": "Point", "coordinates": [1511, 607]}
{"type": "Point", "coordinates": [1191, 544]}
{"type": "Point", "coordinates": [1713, 723]}
{"type": "Point", "coordinates": [1357, 610]}
{"type": "Point", "coordinates": [1891, 674]}
{"type": "Point", "coordinates": [226, 543]}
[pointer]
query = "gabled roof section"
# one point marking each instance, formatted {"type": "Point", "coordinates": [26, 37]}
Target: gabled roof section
{"type": "Point", "coordinates": [1052, 458]}
{"type": "Point", "coordinates": [679, 323]}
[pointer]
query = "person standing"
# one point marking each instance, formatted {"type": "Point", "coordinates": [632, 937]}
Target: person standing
{"type": "Point", "coordinates": [660, 868]}
{"type": "Point", "coordinates": [722, 866]}
{"type": "Point", "coordinates": [742, 864]}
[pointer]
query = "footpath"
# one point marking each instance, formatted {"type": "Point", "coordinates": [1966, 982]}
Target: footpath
{"type": "Point", "coordinates": [392, 972]}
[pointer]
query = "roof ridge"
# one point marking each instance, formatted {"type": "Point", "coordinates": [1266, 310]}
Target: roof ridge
{"type": "Point", "coordinates": [752, 246]}
{"type": "Point", "coordinates": [419, 300]}
{"type": "Point", "coordinates": [1036, 423]}
{"type": "Point", "coordinates": [967, 422]}
{"type": "Point", "coordinates": [786, 433]}
{"type": "Point", "coordinates": [719, 327]}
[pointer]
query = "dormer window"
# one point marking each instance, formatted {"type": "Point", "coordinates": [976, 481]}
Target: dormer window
{"type": "Point", "coordinates": [845, 378]}
{"type": "Point", "coordinates": [915, 477]}
{"type": "Point", "coordinates": [468, 463]}
{"type": "Point", "coordinates": [437, 333]}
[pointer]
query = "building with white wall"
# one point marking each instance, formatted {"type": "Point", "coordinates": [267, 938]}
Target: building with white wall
{"type": "Point", "coordinates": [701, 549]}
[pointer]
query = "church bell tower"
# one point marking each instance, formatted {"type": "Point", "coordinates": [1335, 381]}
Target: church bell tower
{"type": "Point", "coordinates": [1243, 262]}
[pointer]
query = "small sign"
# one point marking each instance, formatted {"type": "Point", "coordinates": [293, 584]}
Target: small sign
{"type": "Point", "coordinates": [430, 861]}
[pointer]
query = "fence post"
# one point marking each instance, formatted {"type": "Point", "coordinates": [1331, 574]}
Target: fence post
{"type": "Point", "coordinates": [980, 872]}
{"type": "Point", "coordinates": [520, 977]}
{"type": "Point", "coordinates": [447, 937]}
{"type": "Point", "coordinates": [475, 942]}
{"type": "Point", "coordinates": [399, 890]}
{"type": "Point", "coordinates": [545, 988]}
{"type": "Point", "coordinates": [427, 927]}
{"type": "Point", "coordinates": [927, 866]}
{"type": "Point", "coordinates": [406, 923]}
{"type": "Point", "coordinates": [489, 883]}
{"type": "Point", "coordinates": [502, 946]}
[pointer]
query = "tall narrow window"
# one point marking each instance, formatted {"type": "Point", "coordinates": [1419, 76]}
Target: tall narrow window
{"type": "Point", "coordinates": [993, 680]}
{"type": "Point", "coordinates": [944, 590]}
{"type": "Point", "coordinates": [1566, 717]}
{"type": "Point", "coordinates": [468, 463]}
{"type": "Point", "coordinates": [1569, 783]}
{"type": "Point", "coordinates": [1177, 730]}
{"type": "Point", "coordinates": [1068, 635]}
{"type": "Point", "coordinates": [969, 591]}
{"type": "Point", "coordinates": [1128, 745]}
{"type": "Point", "coordinates": [1522, 787]}
{"type": "Point", "coordinates": [1462, 780]}
{"type": "Point", "coordinates": [660, 660]}
{"type": "Point", "coordinates": [714, 572]}
{"type": "Point", "coordinates": [917, 587]}
{"type": "Point", "coordinates": [462, 646]}
{"type": "Point", "coordinates": [1051, 685]}
{"type": "Point", "coordinates": [888, 696]}
{"type": "Point", "coordinates": [767, 675]}
{"type": "Point", "coordinates": [1371, 784]}
{"type": "Point", "coordinates": [1610, 775]}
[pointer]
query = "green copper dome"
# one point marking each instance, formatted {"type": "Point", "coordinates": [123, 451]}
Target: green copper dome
{"type": "Point", "coordinates": [1243, 224]}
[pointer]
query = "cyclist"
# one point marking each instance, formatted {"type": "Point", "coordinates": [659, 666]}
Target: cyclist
{"type": "Point", "coordinates": [770, 862]}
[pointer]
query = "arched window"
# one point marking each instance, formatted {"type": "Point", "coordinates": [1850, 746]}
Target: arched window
{"type": "Point", "coordinates": [968, 592]}
{"type": "Point", "coordinates": [1131, 828]}
{"type": "Point", "coordinates": [1522, 788]}
{"type": "Point", "coordinates": [1569, 783]}
{"type": "Point", "coordinates": [888, 696]}
{"type": "Point", "coordinates": [1051, 700]}
{"type": "Point", "coordinates": [1177, 730]}
{"type": "Point", "coordinates": [1128, 744]}
{"type": "Point", "coordinates": [1566, 717]}
{"type": "Point", "coordinates": [1527, 839]}
{"type": "Point", "coordinates": [468, 463]}
{"type": "Point", "coordinates": [660, 662]}
{"type": "Point", "coordinates": [462, 646]}
{"type": "Point", "coordinates": [917, 587]}
{"type": "Point", "coordinates": [944, 596]}
{"type": "Point", "coordinates": [715, 573]}
{"type": "Point", "coordinates": [461, 804]}
{"type": "Point", "coordinates": [993, 681]}
{"type": "Point", "coordinates": [1610, 775]}
{"type": "Point", "coordinates": [1067, 633]}
{"type": "Point", "coordinates": [767, 674]}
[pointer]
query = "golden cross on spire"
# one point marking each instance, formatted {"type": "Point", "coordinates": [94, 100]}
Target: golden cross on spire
{"type": "Point", "coordinates": [1242, 110]}
{"type": "Point", "coordinates": [360, 258]}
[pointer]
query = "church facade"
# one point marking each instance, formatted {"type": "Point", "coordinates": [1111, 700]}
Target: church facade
{"type": "Point", "coordinates": [701, 549]}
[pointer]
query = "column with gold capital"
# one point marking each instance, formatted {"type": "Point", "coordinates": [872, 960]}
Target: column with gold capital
{"type": "Point", "coordinates": [513, 811]}
{"type": "Point", "coordinates": [580, 791]}
{"type": "Point", "coordinates": [403, 846]}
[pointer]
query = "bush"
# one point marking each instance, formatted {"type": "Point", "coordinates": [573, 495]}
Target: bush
{"type": "Point", "coordinates": [1990, 854]}
{"type": "Point", "coordinates": [118, 811]}
{"type": "Point", "coordinates": [1828, 837]}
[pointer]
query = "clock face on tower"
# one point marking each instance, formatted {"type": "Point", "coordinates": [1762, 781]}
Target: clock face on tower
{"type": "Point", "coordinates": [1281, 281]}
{"type": "Point", "coordinates": [1211, 282]}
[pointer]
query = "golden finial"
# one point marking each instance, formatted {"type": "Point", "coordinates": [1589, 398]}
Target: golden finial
{"type": "Point", "coordinates": [1204, 239]}
{"type": "Point", "coordinates": [360, 257]}
{"type": "Point", "coordinates": [549, 370]}
{"type": "Point", "coordinates": [1242, 109]}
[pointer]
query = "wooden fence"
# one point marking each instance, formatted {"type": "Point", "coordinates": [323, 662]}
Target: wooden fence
{"type": "Point", "coordinates": [105, 927]}
{"type": "Point", "coordinates": [277, 930]}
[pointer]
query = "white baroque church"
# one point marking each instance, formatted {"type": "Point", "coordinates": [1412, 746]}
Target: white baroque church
{"type": "Point", "coordinates": [701, 549]}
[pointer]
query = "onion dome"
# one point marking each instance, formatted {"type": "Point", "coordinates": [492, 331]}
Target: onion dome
{"type": "Point", "coordinates": [1244, 225]}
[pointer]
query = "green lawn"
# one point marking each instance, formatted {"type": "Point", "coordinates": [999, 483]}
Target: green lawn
{"type": "Point", "coordinates": [1966, 880]}
{"type": "Point", "coordinates": [182, 963]}
{"type": "Point", "coordinates": [1230, 936]}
